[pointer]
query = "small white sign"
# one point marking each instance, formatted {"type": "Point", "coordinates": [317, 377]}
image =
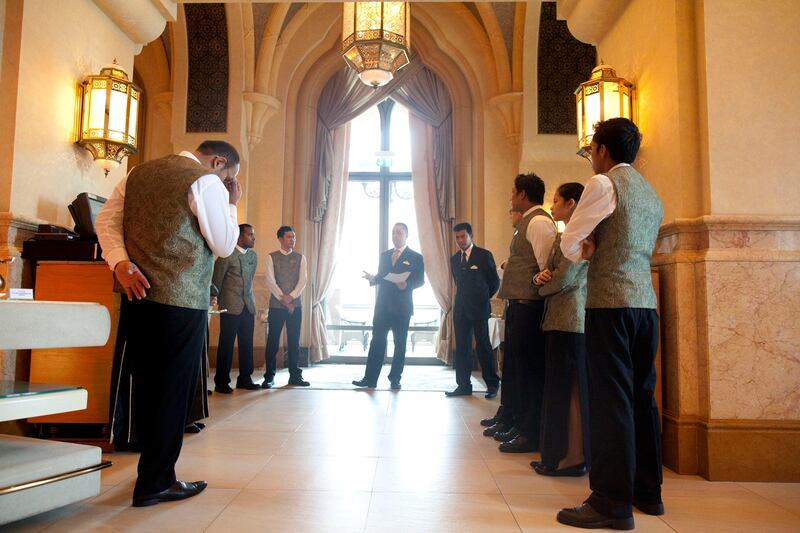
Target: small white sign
{"type": "Point", "coordinates": [20, 294]}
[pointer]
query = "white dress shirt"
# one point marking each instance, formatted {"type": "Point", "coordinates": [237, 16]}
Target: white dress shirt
{"type": "Point", "coordinates": [272, 284]}
{"type": "Point", "coordinates": [541, 234]}
{"type": "Point", "coordinates": [242, 250]}
{"type": "Point", "coordinates": [597, 203]}
{"type": "Point", "coordinates": [208, 200]}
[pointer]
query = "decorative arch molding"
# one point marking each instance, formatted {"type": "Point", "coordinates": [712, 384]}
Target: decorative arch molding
{"type": "Point", "coordinates": [151, 68]}
{"type": "Point", "coordinates": [311, 74]}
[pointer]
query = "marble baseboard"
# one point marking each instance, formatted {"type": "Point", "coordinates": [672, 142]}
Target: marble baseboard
{"type": "Point", "coordinates": [733, 449]}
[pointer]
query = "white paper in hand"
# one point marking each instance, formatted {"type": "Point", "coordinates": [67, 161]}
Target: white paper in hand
{"type": "Point", "coordinates": [397, 278]}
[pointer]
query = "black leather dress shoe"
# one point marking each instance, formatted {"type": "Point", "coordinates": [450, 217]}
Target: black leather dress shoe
{"type": "Point", "coordinates": [364, 383]}
{"type": "Point", "coordinates": [507, 436]}
{"type": "Point", "coordinates": [655, 509]}
{"type": "Point", "coordinates": [572, 471]}
{"type": "Point", "coordinates": [248, 386]}
{"type": "Point", "coordinates": [520, 444]}
{"type": "Point", "coordinates": [395, 385]}
{"type": "Point", "coordinates": [192, 428]}
{"type": "Point", "coordinates": [584, 516]}
{"type": "Point", "coordinates": [459, 392]}
{"type": "Point", "coordinates": [267, 384]}
{"type": "Point", "coordinates": [490, 393]}
{"type": "Point", "coordinates": [180, 490]}
{"type": "Point", "coordinates": [200, 425]}
{"type": "Point", "coordinates": [493, 420]}
{"type": "Point", "coordinates": [223, 389]}
{"type": "Point", "coordinates": [493, 430]}
{"type": "Point", "coordinates": [299, 382]}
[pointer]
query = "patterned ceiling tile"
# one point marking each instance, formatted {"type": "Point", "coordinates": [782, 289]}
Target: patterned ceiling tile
{"type": "Point", "coordinates": [564, 63]}
{"type": "Point", "coordinates": [207, 98]}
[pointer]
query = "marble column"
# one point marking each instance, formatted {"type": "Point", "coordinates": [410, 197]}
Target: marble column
{"type": "Point", "coordinates": [730, 303]}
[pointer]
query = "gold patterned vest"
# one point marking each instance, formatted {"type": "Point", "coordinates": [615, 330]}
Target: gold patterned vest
{"type": "Point", "coordinates": [287, 274]}
{"type": "Point", "coordinates": [162, 235]}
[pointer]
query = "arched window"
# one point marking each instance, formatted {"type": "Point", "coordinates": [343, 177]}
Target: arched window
{"type": "Point", "coordinates": [379, 194]}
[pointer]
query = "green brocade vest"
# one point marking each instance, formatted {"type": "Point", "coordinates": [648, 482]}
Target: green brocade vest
{"type": "Point", "coordinates": [619, 271]}
{"type": "Point", "coordinates": [521, 266]}
{"type": "Point", "coordinates": [162, 235]}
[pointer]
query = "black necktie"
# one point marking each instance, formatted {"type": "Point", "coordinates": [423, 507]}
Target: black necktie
{"type": "Point", "coordinates": [463, 258]}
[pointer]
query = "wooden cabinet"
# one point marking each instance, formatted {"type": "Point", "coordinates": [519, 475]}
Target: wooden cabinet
{"type": "Point", "coordinates": [90, 368]}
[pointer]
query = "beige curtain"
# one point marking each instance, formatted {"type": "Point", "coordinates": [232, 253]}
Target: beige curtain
{"type": "Point", "coordinates": [325, 240]}
{"type": "Point", "coordinates": [343, 99]}
{"type": "Point", "coordinates": [434, 233]}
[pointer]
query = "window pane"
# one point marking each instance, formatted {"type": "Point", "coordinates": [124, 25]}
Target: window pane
{"type": "Point", "coordinates": [365, 140]}
{"type": "Point", "coordinates": [400, 139]}
{"type": "Point", "coordinates": [351, 300]}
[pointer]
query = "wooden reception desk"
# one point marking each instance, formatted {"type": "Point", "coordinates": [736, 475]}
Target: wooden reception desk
{"type": "Point", "coordinates": [90, 368]}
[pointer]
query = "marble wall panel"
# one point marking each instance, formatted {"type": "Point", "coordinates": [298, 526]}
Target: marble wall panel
{"type": "Point", "coordinates": [753, 335]}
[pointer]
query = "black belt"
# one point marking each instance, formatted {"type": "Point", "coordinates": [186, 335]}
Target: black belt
{"type": "Point", "coordinates": [524, 302]}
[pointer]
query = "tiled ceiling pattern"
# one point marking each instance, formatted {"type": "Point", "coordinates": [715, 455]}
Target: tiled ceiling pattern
{"type": "Point", "coordinates": [564, 63]}
{"type": "Point", "coordinates": [207, 95]}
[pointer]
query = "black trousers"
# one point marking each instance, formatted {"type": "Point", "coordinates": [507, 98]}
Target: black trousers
{"type": "Point", "coordinates": [625, 427]}
{"type": "Point", "coordinates": [277, 318]}
{"type": "Point", "coordinates": [565, 364]}
{"type": "Point", "coordinates": [526, 341]}
{"type": "Point", "coordinates": [381, 324]}
{"type": "Point", "coordinates": [165, 346]}
{"type": "Point", "coordinates": [464, 329]}
{"type": "Point", "coordinates": [231, 327]}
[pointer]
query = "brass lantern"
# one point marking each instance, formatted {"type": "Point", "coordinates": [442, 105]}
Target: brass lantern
{"type": "Point", "coordinates": [375, 39]}
{"type": "Point", "coordinates": [109, 116]}
{"type": "Point", "coordinates": [603, 96]}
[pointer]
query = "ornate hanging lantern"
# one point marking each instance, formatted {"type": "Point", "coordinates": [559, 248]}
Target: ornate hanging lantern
{"type": "Point", "coordinates": [109, 116]}
{"type": "Point", "coordinates": [603, 96]}
{"type": "Point", "coordinates": [376, 39]}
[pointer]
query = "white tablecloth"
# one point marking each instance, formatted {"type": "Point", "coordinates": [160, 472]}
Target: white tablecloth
{"type": "Point", "coordinates": [497, 327]}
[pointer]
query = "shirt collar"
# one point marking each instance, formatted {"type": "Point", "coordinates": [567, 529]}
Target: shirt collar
{"type": "Point", "coordinates": [618, 165]}
{"type": "Point", "coordinates": [531, 210]}
{"type": "Point", "coordinates": [468, 251]}
{"type": "Point", "coordinates": [241, 250]}
{"type": "Point", "coordinates": [284, 252]}
{"type": "Point", "coordinates": [190, 155]}
{"type": "Point", "coordinates": [403, 249]}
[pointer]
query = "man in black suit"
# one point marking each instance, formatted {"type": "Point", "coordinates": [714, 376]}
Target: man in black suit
{"type": "Point", "coordinates": [393, 307]}
{"type": "Point", "coordinates": [475, 275]}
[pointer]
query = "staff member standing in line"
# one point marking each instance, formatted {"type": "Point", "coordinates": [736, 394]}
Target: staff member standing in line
{"type": "Point", "coordinates": [164, 263]}
{"type": "Point", "coordinates": [565, 424]}
{"type": "Point", "coordinates": [287, 273]}
{"type": "Point", "coordinates": [475, 275]}
{"type": "Point", "coordinates": [232, 284]}
{"type": "Point", "coordinates": [615, 227]}
{"type": "Point", "coordinates": [524, 342]}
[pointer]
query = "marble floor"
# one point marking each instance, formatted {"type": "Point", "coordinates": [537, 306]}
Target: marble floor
{"type": "Point", "coordinates": [295, 460]}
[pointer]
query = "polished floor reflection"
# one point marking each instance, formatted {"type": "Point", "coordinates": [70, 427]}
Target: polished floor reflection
{"type": "Point", "coordinates": [335, 460]}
